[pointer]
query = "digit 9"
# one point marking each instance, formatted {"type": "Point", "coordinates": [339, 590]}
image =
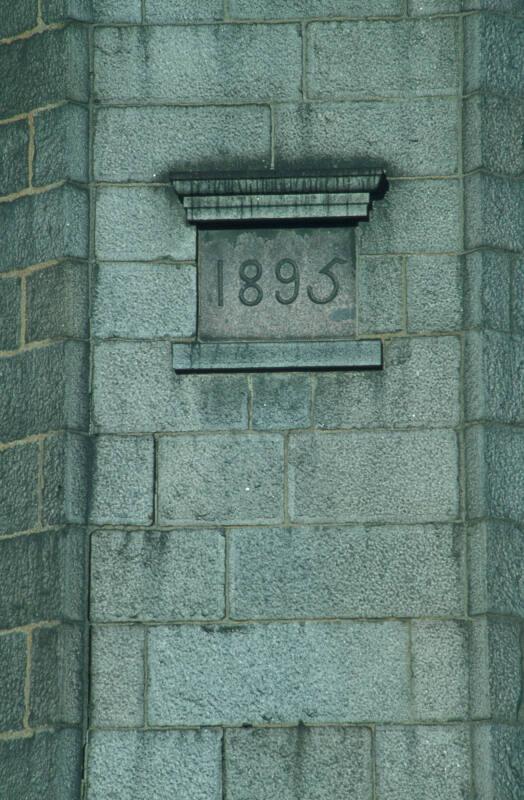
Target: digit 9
{"type": "Point", "coordinates": [293, 278]}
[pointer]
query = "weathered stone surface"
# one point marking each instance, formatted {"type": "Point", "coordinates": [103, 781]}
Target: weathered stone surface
{"type": "Point", "coordinates": [494, 487]}
{"type": "Point", "coordinates": [66, 467]}
{"type": "Point", "coordinates": [10, 308]}
{"type": "Point", "coordinates": [123, 480]}
{"type": "Point", "coordinates": [199, 64]}
{"type": "Point", "coordinates": [61, 10]}
{"type": "Point", "coordinates": [299, 764]}
{"type": "Point", "coordinates": [394, 135]}
{"type": "Point", "coordinates": [124, 373]}
{"type": "Point", "coordinates": [289, 9]}
{"type": "Point", "coordinates": [18, 17]}
{"type": "Point", "coordinates": [158, 575]}
{"type": "Point", "coordinates": [498, 757]}
{"type": "Point", "coordinates": [319, 672]}
{"type": "Point", "coordinates": [14, 144]}
{"type": "Point", "coordinates": [487, 290]}
{"type": "Point", "coordinates": [373, 477]}
{"type": "Point", "coordinates": [144, 301]}
{"type": "Point", "coordinates": [418, 57]}
{"type": "Point", "coordinates": [496, 579]}
{"type": "Point", "coordinates": [494, 377]}
{"type": "Point", "coordinates": [492, 140]}
{"type": "Point", "coordinates": [440, 670]}
{"type": "Point", "coordinates": [162, 11]}
{"type": "Point", "coordinates": [494, 46]}
{"type": "Point", "coordinates": [493, 5]}
{"type": "Point", "coordinates": [18, 488]}
{"type": "Point", "coordinates": [221, 478]}
{"type": "Point", "coordinates": [422, 761]}
{"type": "Point", "coordinates": [345, 572]}
{"type": "Point", "coordinates": [496, 669]}
{"type": "Point", "coordinates": [281, 401]}
{"type": "Point", "coordinates": [435, 293]}
{"type": "Point", "coordinates": [42, 577]}
{"type": "Point", "coordinates": [58, 302]}
{"type": "Point", "coordinates": [493, 212]}
{"type": "Point", "coordinates": [44, 766]}
{"type": "Point", "coordinates": [13, 655]}
{"type": "Point", "coordinates": [57, 673]}
{"type": "Point", "coordinates": [517, 310]}
{"type": "Point", "coordinates": [140, 765]}
{"type": "Point", "coordinates": [418, 8]}
{"type": "Point", "coordinates": [61, 145]}
{"type": "Point", "coordinates": [116, 10]}
{"type": "Point", "coordinates": [380, 295]}
{"type": "Point", "coordinates": [117, 676]}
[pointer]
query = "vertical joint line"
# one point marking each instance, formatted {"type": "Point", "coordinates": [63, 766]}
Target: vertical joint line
{"type": "Point", "coordinates": [27, 679]}
{"type": "Point", "coordinates": [227, 593]}
{"type": "Point", "coordinates": [30, 149]}
{"type": "Point", "coordinates": [143, 11]}
{"type": "Point", "coordinates": [250, 400]}
{"type": "Point", "coordinates": [23, 311]}
{"type": "Point", "coordinates": [155, 479]}
{"type": "Point", "coordinates": [146, 677]}
{"type": "Point", "coordinates": [411, 670]}
{"type": "Point", "coordinates": [39, 16]}
{"type": "Point", "coordinates": [225, 10]}
{"type": "Point", "coordinates": [40, 483]}
{"type": "Point", "coordinates": [223, 753]}
{"type": "Point", "coordinates": [313, 382]}
{"type": "Point", "coordinates": [374, 789]}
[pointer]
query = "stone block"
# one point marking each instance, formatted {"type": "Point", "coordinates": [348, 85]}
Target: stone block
{"type": "Point", "coordinates": [418, 8]}
{"type": "Point", "coordinates": [345, 572]}
{"type": "Point", "coordinates": [414, 216]}
{"type": "Point", "coordinates": [123, 478]}
{"type": "Point", "coordinates": [43, 390]}
{"type": "Point", "coordinates": [494, 487]}
{"type": "Point", "coordinates": [380, 293]}
{"type": "Point", "coordinates": [142, 224]}
{"type": "Point", "coordinates": [276, 9]}
{"type": "Point", "coordinates": [494, 377]}
{"type": "Point", "coordinates": [42, 576]}
{"type": "Point", "coordinates": [423, 762]}
{"type": "Point", "coordinates": [418, 57]}
{"type": "Point", "coordinates": [66, 467]}
{"type": "Point", "coordinates": [517, 310]}
{"type": "Point", "coordinates": [159, 139]}
{"type": "Point", "coordinates": [145, 301]}
{"type": "Point", "coordinates": [116, 10]}
{"type": "Point", "coordinates": [124, 373]}
{"type": "Point", "coordinates": [117, 676]}
{"type": "Point", "coordinates": [440, 669]}
{"type": "Point", "coordinates": [57, 674]}
{"type": "Point", "coordinates": [281, 401]}
{"type": "Point", "coordinates": [19, 488]}
{"type": "Point", "coordinates": [82, 10]}
{"type": "Point", "coordinates": [44, 766]}
{"type": "Point", "coordinates": [487, 290]}
{"type": "Point", "coordinates": [278, 673]}
{"type": "Point", "coordinates": [140, 765]}
{"type": "Point", "coordinates": [13, 657]}
{"type": "Point", "coordinates": [61, 145]}
{"type": "Point", "coordinates": [496, 669]}
{"type": "Point", "coordinates": [165, 11]}
{"type": "Point", "coordinates": [299, 764]}
{"type": "Point", "coordinates": [10, 309]}
{"type": "Point", "coordinates": [195, 64]}
{"type": "Point", "coordinates": [496, 553]}
{"type": "Point", "coordinates": [435, 293]}
{"type": "Point", "coordinates": [514, 6]}
{"type": "Point", "coordinates": [493, 212]}
{"type": "Point", "coordinates": [373, 477]}
{"type": "Point", "coordinates": [44, 227]}
{"type": "Point", "coordinates": [221, 478]}
{"type": "Point", "coordinates": [393, 135]}
{"type": "Point", "coordinates": [498, 758]}
{"type": "Point", "coordinates": [58, 302]}
{"type": "Point", "coordinates": [18, 17]}
{"type": "Point", "coordinates": [55, 68]}
{"type": "Point", "coordinates": [492, 134]}
{"type": "Point", "coordinates": [494, 45]}
{"type": "Point", "coordinates": [158, 575]}
{"type": "Point", "coordinates": [14, 144]}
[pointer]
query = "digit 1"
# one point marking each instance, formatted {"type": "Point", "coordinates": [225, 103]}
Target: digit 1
{"type": "Point", "coordinates": [220, 282]}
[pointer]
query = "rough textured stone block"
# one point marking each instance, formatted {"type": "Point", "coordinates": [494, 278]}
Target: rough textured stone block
{"type": "Point", "coordinates": [18, 17]}
{"type": "Point", "coordinates": [496, 671]}
{"type": "Point", "coordinates": [140, 765]}
{"type": "Point", "coordinates": [496, 553]}
{"type": "Point", "coordinates": [440, 670]}
{"type": "Point", "coordinates": [14, 145]}
{"type": "Point", "coordinates": [58, 302]}
{"type": "Point", "coordinates": [221, 478]}
{"type": "Point", "coordinates": [299, 764]}
{"type": "Point", "coordinates": [124, 373]}
{"type": "Point", "coordinates": [145, 301]}
{"type": "Point", "coordinates": [281, 401]}
{"type": "Point", "coordinates": [142, 224]}
{"type": "Point", "coordinates": [44, 227]}
{"type": "Point", "coordinates": [317, 672]}
{"type": "Point", "coordinates": [45, 766]}
{"type": "Point", "coordinates": [494, 487]}
{"type": "Point", "coordinates": [435, 293]}
{"type": "Point", "coordinates": [160, 140]}
{"type": "Point", "coordinates": [418, 57]}
{"type": "Point", "coordinates": [423, 762]}
{"type": "Point", "coordinates": [514, 6]}
{"type": "Point", "coordinates": [278, 9]}
{"type": "Point", "coordinates": [196, 64]}
{"type": "Point", "coordinates": [418, 8]}
{"type": "Point", "coordinates": [494, 45]}
{"type": "Point", "coordinates": [494, 377]}
{"type": "Point", "coordinates": [57, 667]}
{"type": "Point", "coordinates": [419, 385]}
{"type": "Point", "coordinates": [61, 10]}
{"type": "Point", "coordinates": [54, 65]}
{"type": "Point", "coordinates": [42, 577]}
{"type": "Point", "coordinates": [123, 480]}
{"type": "Point", "coordinates": [498, 757]}
{"type": "Point", "coordinates": [392, 135]}
{"type": "Point", "coordinates": [517, 310]}
{"type": "Point", "coordinates": [493, 133]}
{"type": "Point", "coordinates": [397, 477]}
{"type": "Point", "coordinates": [116, 10]}
{"type": "Point", "coordinates": [61, 145]}
{"type": "Point", "coordinates": [380, 295]}
{"type": "Point", "coordinates": [487, 290]}
{"type": "Point", "coordinates": [161, 11]}
{"type": "Point", "coordinates": [13, 655]}
{"type": "Point", "coordinates": [18, 488]}
{"type": "Point", "coordinates": [66, 467]}
{"type": "Point", "coordinates": [117, 676]}
{"type": "Point", "coordinates": [10, 308]}
{"type": "Point", "coordinates": [414, 216]}
{"type": "Point", "coordinates": [345, 572]}
{"type": "Point", "coordinates": [158, 575]}
{"type": "Point", "coordinates": [493, 212]}
{"type": "Point", "coordinates": [43, 390]}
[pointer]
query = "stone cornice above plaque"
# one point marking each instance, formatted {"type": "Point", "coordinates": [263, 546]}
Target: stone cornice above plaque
{"type": "Point", "coordinates": [263, 197]}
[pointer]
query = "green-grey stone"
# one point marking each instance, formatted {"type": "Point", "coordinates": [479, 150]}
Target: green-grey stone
{"type": "Point", "coordinates": [58, 302]}
{"type": "Point", "coordinates": [117, 10]}
{"type": "Point", "coordinates": [117, 676]}
{"type": "Point", "coordinates": [493, 134]}
{"type": "Point", "coordinates": [518, 295]}
{"type": "Point", "coordinates": [141, 765]}
{"type": "Point", "coordinates": [13, 656]}
{"type": "Point", "coordinates": [281, 401]}
{"type": "Point", "coordinates": [380, 295]}
{"type": "Point", "coordinates": [18, 488]}
{"type": "Point", "coordinates": [494, 46]}
{"type": "Point", "coordinates": [440, 670]}
{"type": "Point", "coordinates": [493, 5]}
{"type": "Point", "coordinates": [496, 578]}
{"type": "Point", "coordinates": [197, 63]}
{"type": "Point", "coordinates": [418, 57]}
{"type": "Point", "coordinates": [487, 290]}
{"type": "Point", "coordinates": [419, 8]}
{"type": "Point", "coordinates": [222, 478]}
{"type": "Point", "coordinates": [357, 572]}
{"type": "Point", "coordinates": [66, 467]}
{"type": "Point", "coordinates": [10, 308]}
{"type": "Point", "coordinates": [62, 10]}
{"type": "Point", "coordinates": [435, 293]}
{"type": "Point", "coordinates": [57, 672]}
{"type": "Point", "coordinates": [300, 763]}
{"type": "Point", "coordinates": [42, 766]}
{"type": "Point", "coordinates": [164, 11]}
{"type": "Point", "coordinates": [286, 9]}
{"type": "Point", "coordinates": [494, 377]}
{"type": "Point", "coordinates": [159, 139]}
{"type": "Point", "coordinates": [496, 669]}
{"type": "Point", "coordinates": [14, 144]}
{"type": "Point", "coordinates": [493, 212]}
{"type": "Point", "coordinates": [123, 480]}
{"type": "Point", "coordinates": [61, 145]}
{"type": "Point", "coordinates": [498, 757]}
{"type": "Point", "coordinates": [17, 17]}
{"type": "Point", "coordinates": [158, 575]}
{"type": "Point", "coordinates": [278, 673]}
{"type": "Point", "coordinates": [495, 483]}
